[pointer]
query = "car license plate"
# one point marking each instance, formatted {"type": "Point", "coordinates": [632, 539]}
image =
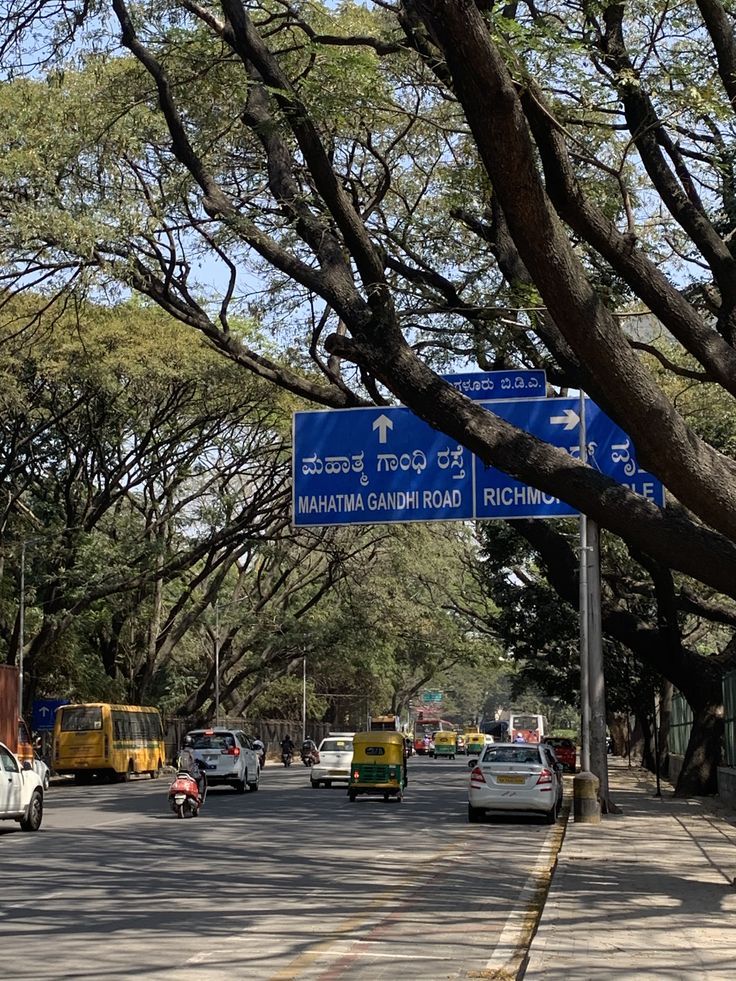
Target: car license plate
{"type": "Point", "coordinates": [336, 773]}
{"type": "Point", "coordinates": [509, 779]}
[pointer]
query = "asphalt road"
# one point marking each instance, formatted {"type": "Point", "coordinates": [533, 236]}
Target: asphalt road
{"type": "Point", "coordinates": [287, 883]}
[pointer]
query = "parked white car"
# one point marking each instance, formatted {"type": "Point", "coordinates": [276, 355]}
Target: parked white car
{"type": "Point", "coordinates": [229, 757]}
{"type": "Point", "coordinates": [515, 777]}
{"type": "Point", "coordinates": [21, 791]}
{"type": "Point", "coordinates": [43, 772]}
{"type": "Point", "coordinates": [335, 757]}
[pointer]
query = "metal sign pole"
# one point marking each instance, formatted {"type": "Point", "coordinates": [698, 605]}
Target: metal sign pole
{"type": "Point", "coordinates": [583, 593]}
{"type": "Point", "coordinates": [21, 626]}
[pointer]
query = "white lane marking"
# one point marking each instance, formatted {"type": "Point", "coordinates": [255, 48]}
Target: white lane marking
{"type": "Point", "coordinates": [516, 925]}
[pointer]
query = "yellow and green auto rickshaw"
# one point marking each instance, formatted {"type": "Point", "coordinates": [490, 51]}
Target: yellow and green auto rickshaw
{"type": "Point", "coordinates": [379, 765]}
{"type": "Point", "coordinates": [475, 742]}
{"type": "Point", "coordinates": [445, 744]}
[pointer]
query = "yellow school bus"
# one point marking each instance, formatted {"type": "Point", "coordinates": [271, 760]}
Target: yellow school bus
{"type": "Point", "coordinates": [116, 741]}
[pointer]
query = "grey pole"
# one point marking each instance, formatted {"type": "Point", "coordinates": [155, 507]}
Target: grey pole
{"type": "Point", "coordinates": [304, 698]}
{"type": "Point", "coordinates": [21, 626]}
{"type": "Point", "coordinates": [583, 583]}
{"type": "Point", "coordinates": [596, 676]}
{"type": "Point", "coordinates": [217, 662]}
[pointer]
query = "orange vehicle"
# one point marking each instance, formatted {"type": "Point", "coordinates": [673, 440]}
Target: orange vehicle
{"type": "Point", "coordinates": [564, 750]}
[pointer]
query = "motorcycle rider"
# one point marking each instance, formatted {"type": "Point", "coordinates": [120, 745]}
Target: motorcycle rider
{"type": "Point", "coordinates": [187, 762]}
{"type": "Point", "coordinates": [287, 747]}
{"type": "Point", "coordinates": [309, 752]}
{"type": "Point", "coordinates": [260, 748]}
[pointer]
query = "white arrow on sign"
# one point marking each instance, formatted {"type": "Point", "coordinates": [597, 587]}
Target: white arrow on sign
{"type": "Point", "coordinates": [569, 419]}
{"type": "Point", "coordinates": [44, 710]}
{"type": "Point", "coordinates": [382, 424]}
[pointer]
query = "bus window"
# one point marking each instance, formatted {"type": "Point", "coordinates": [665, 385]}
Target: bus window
{"type": "Point", "coordinates": [80, 718]}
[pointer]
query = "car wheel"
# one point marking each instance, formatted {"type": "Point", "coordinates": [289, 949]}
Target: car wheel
{"type": "Point", "coordinates": [253, 785]}
{"type": "Point", "coordinates": [475, 814]}
{"type": "Point", "coordinates": [328, 783]}
{"type": "Point", "coordinates": [315, 784]}
{"type": "Point", "coordinates": [239, 786]}
{"type": "Point", "coordinates": [551, 815]}
{"type": "Point", "coordinates": [351, 796]}
{"type": "Point", "coordinates": [34, 815]}
{"type": "Point", "coordinates": [46, 780]}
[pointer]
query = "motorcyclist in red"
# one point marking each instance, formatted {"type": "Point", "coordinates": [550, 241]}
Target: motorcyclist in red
{"type": "Point", "coordinates": [189, 763]}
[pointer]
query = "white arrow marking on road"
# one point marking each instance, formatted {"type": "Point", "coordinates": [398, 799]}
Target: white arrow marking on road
{"type": "Point", "coordinates": [569, 419]}
{"type": "Point", "coordinates": [382, 424]}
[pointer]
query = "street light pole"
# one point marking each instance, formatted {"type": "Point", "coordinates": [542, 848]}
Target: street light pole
{"type": "Point", "coordinates": [304, 697]}
{"type": "Point", "coordinates": [217, 662]}
{"type": "Point", "coordinates": [21, 625]}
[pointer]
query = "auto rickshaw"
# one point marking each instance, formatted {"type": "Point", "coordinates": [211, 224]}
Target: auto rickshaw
{"type": "Point", "coordinates": [445, 744]}
{"type": "Point", "coordinates": [475, 742]}
{"type": "Point", "coordinates": [379, 765]}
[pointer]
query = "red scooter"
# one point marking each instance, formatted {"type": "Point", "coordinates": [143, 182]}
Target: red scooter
{"type": "Point", "coordinates": [184, 796]}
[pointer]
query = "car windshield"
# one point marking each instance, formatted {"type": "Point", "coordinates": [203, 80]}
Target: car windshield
{"type": "Point", "coordinates": [336, 746]}
{"type": "Point", "coordinates": [511, 754]}
{"type": "Point", "coordinates": [217, 740]}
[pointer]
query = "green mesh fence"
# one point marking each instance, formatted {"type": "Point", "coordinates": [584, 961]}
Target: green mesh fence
{"type": "Point", "coordinates": [681, 722]}
{"type": "Point", "coordinates": [729, 705]}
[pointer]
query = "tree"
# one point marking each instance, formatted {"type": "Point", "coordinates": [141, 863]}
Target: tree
{"type": "Point", "coordinates": [403, 181]}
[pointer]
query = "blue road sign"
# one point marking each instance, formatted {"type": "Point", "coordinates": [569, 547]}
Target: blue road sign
{"type": "Point", "coordinates": [483, 386]}
{"type": "Point", "coordinates": [359, 466]}
{"type": "Point", "coordinates": [556, 421]}
{"type": "Point", "coordinates": [43, 712]}
{"type": "Point", "coordinates": [377, 465]}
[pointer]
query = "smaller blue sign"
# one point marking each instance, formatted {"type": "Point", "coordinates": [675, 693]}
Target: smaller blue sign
{"type": "Point", "coordinates": [43, 713]}
{"type": "Point", "coordinates": [487, 386]}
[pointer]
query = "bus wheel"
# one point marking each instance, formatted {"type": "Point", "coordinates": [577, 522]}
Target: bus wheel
{"type": "Point", "coordinates": [128, 775]}
{"type": "Point", "coordinates": [155, 774]}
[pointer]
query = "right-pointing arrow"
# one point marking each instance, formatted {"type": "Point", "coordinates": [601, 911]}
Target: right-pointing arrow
{"type": "Point", "coordinates": [569, 419]}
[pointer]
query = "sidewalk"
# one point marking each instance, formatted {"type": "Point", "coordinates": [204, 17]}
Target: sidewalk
{"type": "Point", "coordinates": [648, 894]}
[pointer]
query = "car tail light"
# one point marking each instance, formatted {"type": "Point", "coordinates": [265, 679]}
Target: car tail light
{"type": "Point", "coordinates": [233, 751]}
{"type": "Point", "coordinates": [476, 775]}
{"type": "Point", "coordinates": [545, 776]}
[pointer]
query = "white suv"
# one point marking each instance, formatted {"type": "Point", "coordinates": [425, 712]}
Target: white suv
{"type": "Point", "coordinates": [335, 758]}
{"type": "Point", "coordinates": [228, 757]}
{"type": "Point", "coordinates": [21, 792]}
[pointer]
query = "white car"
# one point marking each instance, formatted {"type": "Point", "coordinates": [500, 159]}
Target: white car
{"type": "Point", "coordinates": [21, 792]}
{"type": "Point", "coordinates": [335, 758]}
{"type": "Point", "coordinates": [43, 772]}
{"type": "Point", "coordinates": [515, 777]}
{"type": "Point", "coordinates": [228, 757]}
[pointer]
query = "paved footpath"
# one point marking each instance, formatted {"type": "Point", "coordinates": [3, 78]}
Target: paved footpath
{"type": "Point", "coordinates": [648, 894]}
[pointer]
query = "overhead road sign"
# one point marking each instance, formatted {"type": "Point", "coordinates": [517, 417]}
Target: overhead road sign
{"type": "Point", "coordinates": [484, 386]}
{"type": "Point", "coordinates": [359, 466]}
{"type": "Point", "coordinates": [432, 696]}
{"type": "Point", "coordinates": [557, 421]}
{"type": "Point", "coordinates": [378, 465]}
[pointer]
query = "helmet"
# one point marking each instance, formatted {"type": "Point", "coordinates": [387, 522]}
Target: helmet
{"type": "Point", "coordinates": [188, 741]}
